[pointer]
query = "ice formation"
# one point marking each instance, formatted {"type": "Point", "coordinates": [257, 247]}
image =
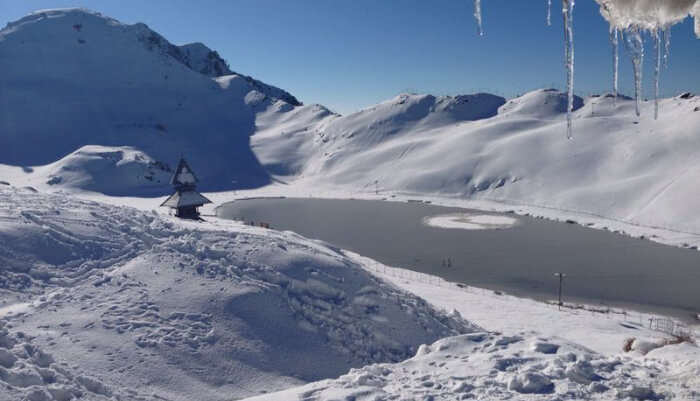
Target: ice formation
{"type": "Point", "coordinates": [477, 15]}
{"type": "Point", "coordinates": [657, 72]}
{"type": "Point", "coordinates": [647, 15]}
{"type": "Point", "coordinates": [634, 42]}
{"type": "Point", "coordinates": [633, 18]}
{"type": "Point", "coordinates": [568, 12]}
{"type": "Point", "coordinates": [615, 41]}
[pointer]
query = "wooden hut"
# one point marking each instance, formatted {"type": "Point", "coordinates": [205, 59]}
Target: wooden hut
{"type": "Point", "coordinates": [186, 200]}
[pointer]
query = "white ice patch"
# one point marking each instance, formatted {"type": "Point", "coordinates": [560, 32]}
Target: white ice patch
{"type": "Point", "coordinates": [466, 221]}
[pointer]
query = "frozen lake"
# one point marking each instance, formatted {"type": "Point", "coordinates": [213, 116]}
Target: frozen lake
{"type": "Point", "coordinates": [504, 252]}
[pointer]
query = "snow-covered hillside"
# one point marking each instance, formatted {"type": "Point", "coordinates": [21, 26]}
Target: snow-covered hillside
{"type": "Point", "coordinates": [639, 170]}
{"type": "Point", "coordinates": [129, 304]}
{"type": "Point", "coordinates": [103, 303]}
{"type": "Point", "coordinates": [73, 78]}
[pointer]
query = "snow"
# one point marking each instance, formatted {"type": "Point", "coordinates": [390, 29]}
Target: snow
{"type": "Point", "coordinates": [571, 355]}
{"type": "Point", "coordinates": [466, 221]}
{"type": "Point", "coordinates": [629, 171]}
{"type": "Point", "coordinates": [646, 14]}
{"type": "Point", "coordinates": [636, 171]}
{"type": "Point", "coordinates": [65, 61]}
{"type": "Point", "coordinates": [184, 176]}
{"type": "Point", "coordinates": [103, 301]}
{"type": "Point", "coordinates": [162, 306]}
{"type": "Point", "coordinates": [185, 198]}
{"type": "Point", "coordinates": [128, 304]}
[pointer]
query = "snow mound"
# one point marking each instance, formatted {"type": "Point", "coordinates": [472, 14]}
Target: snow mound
{"type": "Point", "coordinates": [165, 306]}
{"type": "Point", "coordinates": [109, 170]}
{"type": "Point", "coordinates": [541, 104]}
{"type": "Point", "coordinates": [488, 366]}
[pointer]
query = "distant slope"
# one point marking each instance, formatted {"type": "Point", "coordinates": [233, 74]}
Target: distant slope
{"type": "Point", "coordinates": [73, 78]}
{"type": "Point", "coordinates": [617, 165]}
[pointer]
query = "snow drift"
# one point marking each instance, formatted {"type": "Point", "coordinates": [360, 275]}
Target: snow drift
{"type": "Point", "coordinates": [492, 367]}
{"type": "Point", "coordinates": [206, 311]}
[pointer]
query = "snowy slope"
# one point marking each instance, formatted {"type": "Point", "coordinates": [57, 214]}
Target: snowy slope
{"type": "Point", "coordinates": [619, 166]}
{"type": "Point", "coordinates": [495, 367]}
{"type": "Point", "coordinates": [73, 78]}
{"type": "Point", "coordinates": [150, 306]}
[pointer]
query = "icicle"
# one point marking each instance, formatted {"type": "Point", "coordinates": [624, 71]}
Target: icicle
{"type": "Point", "coordinates": [549, 12]}
{"type": "Point", "coordinates": [667, 45]}
{"type": "Point", "coordinates": [477, 15]}
{"type": "Point", "coordinates": [657, 72]}
{"type": "Point", "coordinates": [614, 39]}
{"type": "Point", "coordinates": [635, 46]}
{"type": "Point", "coordinates": [568, 13]}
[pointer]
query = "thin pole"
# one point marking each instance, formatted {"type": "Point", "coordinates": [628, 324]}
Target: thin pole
{"type": "Point", "coordinates": [561, 279]}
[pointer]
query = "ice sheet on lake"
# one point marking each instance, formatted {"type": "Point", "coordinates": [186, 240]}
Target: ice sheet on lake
{"type": "Point", "coordinates": [466, 221]}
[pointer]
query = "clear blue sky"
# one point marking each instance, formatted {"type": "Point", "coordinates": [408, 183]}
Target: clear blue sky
{"type": "Point", "coordinates": [349, 54]}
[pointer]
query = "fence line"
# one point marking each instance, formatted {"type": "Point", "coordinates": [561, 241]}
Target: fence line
{"type": "Point", "coordinates": [657, 323]}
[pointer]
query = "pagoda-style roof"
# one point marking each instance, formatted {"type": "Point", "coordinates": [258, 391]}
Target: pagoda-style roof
{"type": "Point", "coordinates": [185, 198]}
{"type": "Point", "coordinates": [184, 176]}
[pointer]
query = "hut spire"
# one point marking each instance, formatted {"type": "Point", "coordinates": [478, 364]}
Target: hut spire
{"type": "Point", "coordinates": [186, 200]}
{"type": "Point", "coordinates": [184, 177]}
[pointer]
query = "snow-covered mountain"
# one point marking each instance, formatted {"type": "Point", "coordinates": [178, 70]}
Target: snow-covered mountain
{"type": "Point", "coordinates": [108, 91]}
{"type": "Point", "coordinates": [617, 165]}
{"type": "Point", "coordinates": [73, 78]}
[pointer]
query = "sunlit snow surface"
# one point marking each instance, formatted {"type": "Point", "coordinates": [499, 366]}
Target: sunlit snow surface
{"type": "Point", "coordinates": [466, 221]}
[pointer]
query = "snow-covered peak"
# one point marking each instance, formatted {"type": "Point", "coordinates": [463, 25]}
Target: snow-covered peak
{"type": "Point", "coordinates": [541, 103]}
{"type": "Point", "coordinates": [69, 23]}
{"type": "Point", "coordinates": [40, 15]}
{"type": "Point", "coordinates": [425, 108]}
{"type": "Point", "coordinates": [204, 60]}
